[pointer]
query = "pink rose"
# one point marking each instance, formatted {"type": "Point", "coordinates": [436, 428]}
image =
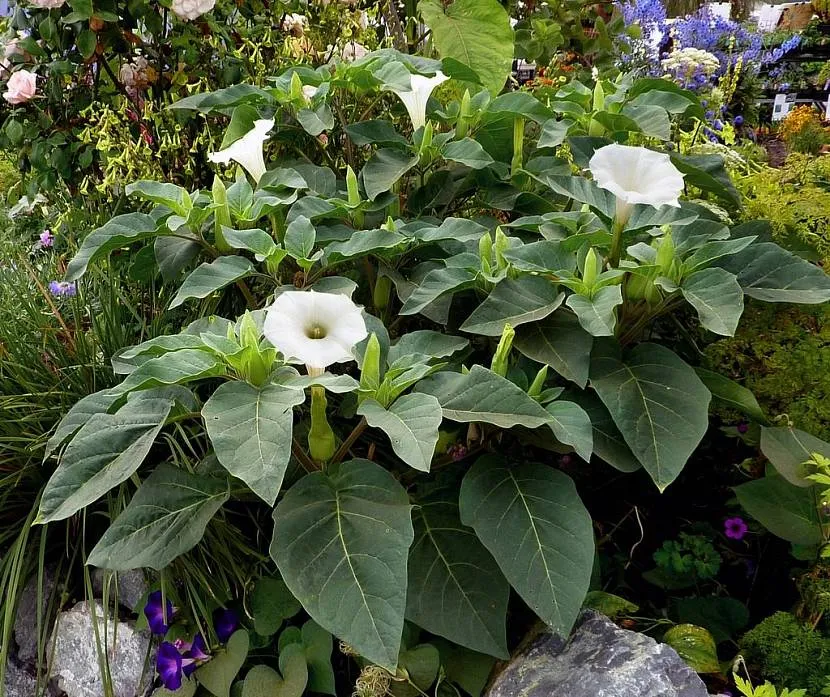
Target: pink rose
{"type": "Point", "coordinates": [21, 87]}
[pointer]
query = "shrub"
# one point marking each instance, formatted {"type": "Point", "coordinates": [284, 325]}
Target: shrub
{"type": "Point", "coordinates": [802, 130]}
{"type": "Point", "coordinates": [788, 652]}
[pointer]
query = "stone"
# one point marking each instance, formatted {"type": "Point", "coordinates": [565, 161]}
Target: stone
{"type": "Point", "coordinates": [18, 682]}
{"type": "Point", "coordinates": [75, 662]}
{"type": "Point", "coordinates": [598, 660]}
{"type": "Point", "coordinates": [131, 585]}
{"type": "Point", "coordinates": [25, 621]}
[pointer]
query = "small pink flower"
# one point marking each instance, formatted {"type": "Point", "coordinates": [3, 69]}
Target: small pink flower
{"type": "Point", "coordinates": [47, 239]}
{"type": "Point", "coordinates": [735, 528]}
{"type": "Point", "coordinates": [21, 87]}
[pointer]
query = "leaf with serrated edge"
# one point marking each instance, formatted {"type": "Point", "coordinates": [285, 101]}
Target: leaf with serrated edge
{"type": "Point", "coordinates": [166, 517]}
{"type": "Point", "coordinates": [531, 519]}
{"type": "Point", "coordinates": [341, 540]}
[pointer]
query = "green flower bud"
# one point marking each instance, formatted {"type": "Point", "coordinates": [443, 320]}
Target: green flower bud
{"type": "Point", "coordinates": [321, 442]}
{"type": "Point", "coordinates": [501, 357]}
{"type": "Point", "coordinates": [221, 215]}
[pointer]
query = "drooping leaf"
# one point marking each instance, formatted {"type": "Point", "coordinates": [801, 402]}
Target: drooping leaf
{"type": "Point", "coordinates": [377, 132]}
{"type": "Point", "coordinates": [106, 450]}
{"type": "Point", "coordinates": [341, 540]}
{"type": "Point", "coordinates": [456, 589]}
{"type": "Point", "coordinates": [80, 412]}
{"type": "Point", "coordinates": [597, 315]}
{"type": "Point", "coordinates": [209, 277]}
{"type": "Point", "coordinates": [609, 445]}
{"type": "Point", "coordinates": [572, 426]}
{"type": "Point", "coordinates": [718, 298]}
{"type": "Point", "coordinates": [657, 402]}
{"type": "Point", "coordinates": [560, 342]}
{"type": "Point", "coordinates": [173, 254]}
{"type": "Point", "coordinates": [435, 284]}
{"type": "Point", "coordinates": [383, 169]}
{"type": "Point", "coordinates": [250, 429]}
{"type": "Point", "coordinates": [772, 274]}
{"type": "Point", "coordinates": [732, 394]}
{"type": "Point", "coordinates": [482, 395]}
{"type": "Point", "coordinates": [787, 511]}
{"type": "Point", "coordinates": [460, 229]}
{"type": "Point", "coordinates": [788, 449]}
{"type": "Point", "coordinates": [118, 232]}
{"type": "Point", "coordinates": [362, 243]}
{"type": "Point", "coordinates": [166, 517]}
{"type": "Point", "coordinates": [173, 368]}
{"type": "Point", "coordinates": [411, 422]}
{"type": "Point", "coordinates": [514, 301]}
{"type": "Point", "coordinates": [174, 197]}
{"type": "Point", "coordinates": [477, 33]}
{"type": "Point", "coordinates": [531, 519]}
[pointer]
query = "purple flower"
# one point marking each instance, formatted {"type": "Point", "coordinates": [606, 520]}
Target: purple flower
{"type": "Point", "coordinates": [63, 289]}
{"type": "Point", "coordinates": [718, 125]}
{"type": "Point", "coordinates": [457, 451]}
{"type": "Point", "coordinates": [738, 120]}
{"type": "Point", "coordinates": [47, 239]}
{"type": "Point", "coordinates": [709, 114]}
{"type": "Point", "coordinates": [735, 528]}
{"type": "Point", "coordinates": [195, 655]}
{"type": "Point", "coordinates": [158, 614]}
{"type": "Point", "coordinates": [169, 666]}
{"type": "Point", "coordinates": [225, 622]}
{"type": "Point", "coordinates": [742, 427]}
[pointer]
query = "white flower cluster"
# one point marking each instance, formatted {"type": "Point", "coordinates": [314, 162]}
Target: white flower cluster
{"type": "Point", "coordinates": [191, 9]}
{"type": "Point", "coordinates": [691, 59]}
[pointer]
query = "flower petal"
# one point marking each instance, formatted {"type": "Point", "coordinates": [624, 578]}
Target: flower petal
{"type": "Point", "coordinates": [247, 150]}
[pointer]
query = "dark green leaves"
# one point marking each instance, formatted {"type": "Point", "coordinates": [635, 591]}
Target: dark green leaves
{"type": "Point", "coordinates": [515, 302]}
{"type": "Point", "coordinates": [165, 518]}
{"type": "Point", "coordinates": [210, 277]}
{"type": "Point", "coordinates": [456, 589]}
{"type": "Point", "coordinates": [383, 169]}
{"type": "Point", "coordinates": [531, 519]}
{"type": "Point", "coordinates": [104, 452]}
{"type": "Point", "coordinates": [717, 297]}
{"type": "Point", "coordinates": [658, 403]}
{"type": "Point", "coordinates": [468, 152]}
{"type": "Point", "coordinates": [341, 541]}
{"type": "Point", "coordinates": [788, 511]}
{"type": "Point", "coordinates": [558, 341]}
{"type": "Point", "coordinates": [250, 429]}
{"type": "Point", "coordinates": [121, 230]}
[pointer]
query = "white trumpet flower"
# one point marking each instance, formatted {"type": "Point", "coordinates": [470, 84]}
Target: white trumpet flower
{"type": "Point", "coordinates": [247, 150]}
{"type": "Point", "coordinates": [317, 329]}
{"type": "Point", "coordinates": [415, 99]}
{"type": "Point", "coordinates": [636, 175]}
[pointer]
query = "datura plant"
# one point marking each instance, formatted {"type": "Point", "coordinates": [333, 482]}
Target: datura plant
{"type": "Point", "coordinates": [411, 333]}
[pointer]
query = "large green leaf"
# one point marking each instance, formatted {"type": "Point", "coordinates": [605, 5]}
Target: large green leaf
{"type": "Point", "coordinates": [264, 681]}
{"type": "Point", "coordinates": [435, 284]}
{"type": "Point", "coordinates": [104, 452]}
{"type": "Point", "coordinates": [361, 243]}
{"type": "Point", "coordinates": [788, 449]}
{"type": "Point", "coordinates": [732, 394]}
{"type": "Point", "coordinates": [468, 152]}
{"type": "Point", "coordinates": [531, 519]}
{"type": "Point", "coordinates": [723, 617]}
{"type": "Point", "coordinates": [658, 403]}
{"type": "Point", "coordinates": [609, 445]}
{"type": "Point", "coordinates": [428, 343]}
{"type": "Point", "coordinates": [514, 301]}
{"type": "Point", "coordinates": [174, 197]}
{"type": "Point", "coordinates": [717, 297]}
{"type": "Point", "coordinates": [121, 230]}
{"type": "Point", "coordinates": [80, 412]}
{"type": "Point", "coordinates": [597, 315]}
{"type": "Point", "coordinates": [560, 342]}
{"type": "Point", "coordinates": [383, 169]}
{"type": "Point", "coordinates": [341, 540]}
{"type": "Point", "coordinates": [207, 278]}
{"type": "Point", "coordinates": [475, 32]}
{"type": "Point", "coordinates": [456, 589]}
{"type": "Point", "coordinates": [166, 517]}
{"type": "Point", "coordinates": [571, 425]}
{"type": "Point", "coordinates": [482, 395]}
{"type": "Point", "coordinates": [316, 644]}
{"type": "Point", "coordinates": [173, 368]}
{"type": "Point", "coordinates": [696, 646]}
{"type": "Point", "coordinates": [411, 423]}
{"type": "Point", "coordinates": [218, 674]}
{"type": "Point", "coordinates": [772, 274]}
{"type": "Point", "coordinates": [271, 604]}
{"type": "Point", "coordinates": [250, 429]}
{"type": "Point", "coordinates": [787, 511]}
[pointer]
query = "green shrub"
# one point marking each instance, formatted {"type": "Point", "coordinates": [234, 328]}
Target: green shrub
{"type": "Point", "coordinates": [788, 652]}
{"type": "Point", "coordinates": [782, 354]}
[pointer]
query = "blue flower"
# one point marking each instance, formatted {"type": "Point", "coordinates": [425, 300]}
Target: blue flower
{"type": "Point", "coordinates": [63, 289]}
{"type": "Point", "coordinates": [709, 114]}
{"type": "Point", "coordinates": [169, 666]}
{"type": "Point", "coordinates": [738, 120]}
{"type": "Point", "coordinates": [225, 621]}
{"type": "Point", "coordinates": [158, 613]}
{"type": "Point", "coordinates": [718, 125]}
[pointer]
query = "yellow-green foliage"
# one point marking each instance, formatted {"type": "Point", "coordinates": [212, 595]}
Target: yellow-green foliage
{"type": "Point", "coordinates": [788, 652]}
{"type": "Point", "coordinates": [9, 176]}
{"type": "Point", "coordinates": [782, 354]}
{"type": "Point", "coordinates": [795, 199]}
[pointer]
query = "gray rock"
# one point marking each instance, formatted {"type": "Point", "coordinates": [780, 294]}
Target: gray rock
{"type": "Point", "coordinates": [75, 663]}
{"type": "Point", "coordinates": [18, 682]}
{"type": "Point", "coordinates": [25, 622]}
{"type": "Point", "coordinates": [132, 586]}
{"type": "Point", "coordinates": [598, 660]}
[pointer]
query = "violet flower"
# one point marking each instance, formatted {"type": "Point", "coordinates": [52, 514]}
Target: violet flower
{"type": "Point", "coordinates": [169, 666]}
{"type": "Point", "coordinates": [738, 121]}
{"type": "Point", "coordinates": [47, 239]}
{"type": "Point", "coordinates": [225, 621]}
{"type": "Point", "coordinates": [735, 528]}
{"type": "Point", "coordinates": [158, 614]}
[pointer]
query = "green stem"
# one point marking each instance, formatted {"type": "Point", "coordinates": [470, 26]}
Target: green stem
{"type": "Point", "coordinates": [343, 450]}
{"type": "Point", "coordinates": [616, 244]}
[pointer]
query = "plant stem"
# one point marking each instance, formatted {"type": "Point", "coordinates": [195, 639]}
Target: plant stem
{"type": "Point", "coordinates": [308, 464]}
{"type": "Point", "coordinates": [343, 450]}
{"type": "Point", "coordinates": [616, 244]}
